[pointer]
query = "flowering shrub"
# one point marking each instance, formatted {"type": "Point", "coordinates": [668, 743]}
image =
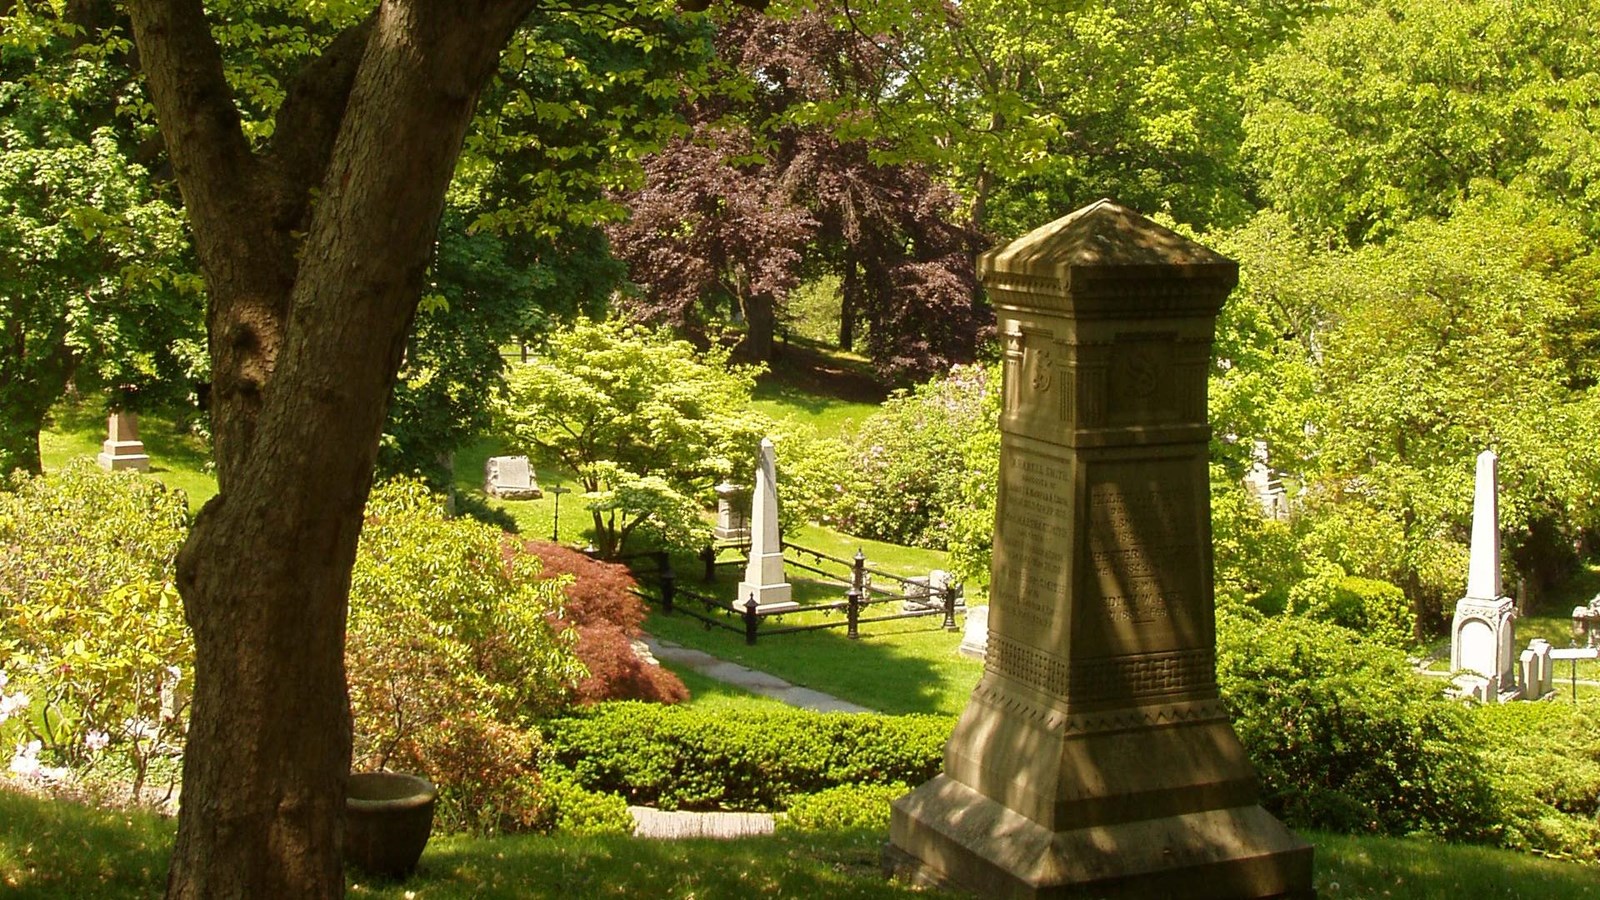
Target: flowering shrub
{"type": "Point", "coordinates": [602, 608]}
{"type": "Point", "coordinates": [908, 461]}
{"type": "Point", "coordinates": [454, 650]}
{"type": "Point", "coordinates": [95, 655]}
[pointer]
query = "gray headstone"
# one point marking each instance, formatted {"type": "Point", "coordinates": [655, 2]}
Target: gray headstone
{"type": "Point", "coordinates": [510, 478]}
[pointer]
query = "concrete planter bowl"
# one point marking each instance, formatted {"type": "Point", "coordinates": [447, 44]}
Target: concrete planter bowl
{"type": "Point", "coordinates": [387, 819]}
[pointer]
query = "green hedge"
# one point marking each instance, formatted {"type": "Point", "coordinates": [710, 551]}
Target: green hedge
{"type": "Point", "coordinates": [849, 807]}
{"type": "Point", "coordinates": [676, 757]}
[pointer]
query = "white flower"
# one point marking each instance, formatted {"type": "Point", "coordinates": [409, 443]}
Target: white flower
{"type": "Point", "coordinates": [9, 706]}
{"type": "Point", "coordinates": [96, 740]}
{"type": "Point", "coordinates": [139, 729]}
{"type": "Point", "coordinates": [3, 678]}
{"type": "Point", "coordinates": [26, 760]}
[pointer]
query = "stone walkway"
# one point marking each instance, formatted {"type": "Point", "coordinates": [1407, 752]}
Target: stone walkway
{"type": "Point", "coordinates": [749, 679]}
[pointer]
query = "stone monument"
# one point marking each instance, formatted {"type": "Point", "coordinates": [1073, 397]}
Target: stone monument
{"type": "Point", "coordinates": [1482, 635]}
{"type": "Point", "coordinates": [1095, 757]}
{"type": "Point", "coordinates": [975, 637]}
{"type": "Point", "coordinates": [510, 478]}
{"type": "Point", "coordinates": [122, 448]}
{"type": "Point", "coordinates": [763, 576]}
{"type": "Point", "coordinates": [731, 522]}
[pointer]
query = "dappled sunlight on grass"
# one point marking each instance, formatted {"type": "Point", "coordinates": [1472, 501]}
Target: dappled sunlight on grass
{"type": "Point", "coordinates": [53, 849]}
{"type": "Point", "coordinates": [793, 865]}
{"type": "Point", "coordinates": [910, 666]}
{"type": "Point", "coordinates": [1426, 869]}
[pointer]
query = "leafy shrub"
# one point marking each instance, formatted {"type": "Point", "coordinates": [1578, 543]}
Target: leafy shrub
{"type": "Point", "coordinates": [1546, 769]}
{"type": "Point", "coordinates": [578, 810]}
{"type": "Point", "coordinates": [847, 807]}
{"type": "Point", "coordinates": [453, 651]}
{"type": "Point", "coordinates": [92, 638]}
{"type": "Point", "coordinates": [602, 608]}
{"type": "Point", "coordinates": [678, 757]}
{"type": "Point", "coordinates": [1376, 610]}
{"type": "Point", "coordinates": [1346, 737]}
{"type": "Point", "coordinates": [908, 460]}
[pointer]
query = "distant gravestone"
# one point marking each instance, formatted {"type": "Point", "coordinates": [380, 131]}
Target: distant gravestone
{"type": "Point", "coordinates": [510, 478]}
{"type": "Point", "coordinates": [1095, 757]}
{"type": "Point", "coordinates": [925, 592]}
{"type": "Point", "coordinates": [1482, 634]}
{"type": "Point", "coordinates": [1267, 489]}
{"type": "Point", "coordinates": [1536, 677]}
{"type": "Point", "coordinates": [975, 639]}
{"type": "Point", "coordinates": [122, 448]}
{"type": "Point", "coordinates": [763, 575]}
{"type": "Point", "coordinates": [732, 523]}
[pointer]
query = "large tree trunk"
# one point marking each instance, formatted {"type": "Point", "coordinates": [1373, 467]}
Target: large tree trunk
{"type": "Point", "coordinates": [306, 337]}
{"type": "Point", "coordinates": [849, 302]}
{"type": "Point", "coordinates": [760, 323]}
{"type": "Point", "coordinates": [19, 444]}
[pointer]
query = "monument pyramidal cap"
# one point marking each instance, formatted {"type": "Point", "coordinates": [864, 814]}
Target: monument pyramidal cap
{"type": "Point", "coordinates": [1095, 757]}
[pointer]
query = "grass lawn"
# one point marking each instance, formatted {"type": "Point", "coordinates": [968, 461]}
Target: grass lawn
{"type": "Point", "coordinates": [178, 459]}
{"type": "Point", "coordinates": [55, 849]}
{"type": "Point", "coordinates": [812, 384]}
{"type": "Point", "coordinates": [898, 667]}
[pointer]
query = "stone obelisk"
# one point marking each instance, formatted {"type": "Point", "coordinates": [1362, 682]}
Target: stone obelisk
{"type": "Point", "coordinates": [1482, 634]}
{"type": "Point", "coordinates": [1095, 757]}
{"type": "Point", "coordinates": [763, 575]}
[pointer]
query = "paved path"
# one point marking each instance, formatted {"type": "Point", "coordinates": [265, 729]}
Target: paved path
{"type": "Point", "coordinates": [749, 679]}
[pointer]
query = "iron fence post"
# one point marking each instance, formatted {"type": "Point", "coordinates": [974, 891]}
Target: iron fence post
{"type": "Point", "coordinates": [951, 592]}
{"type": "Point", "coordinates": [669, 581]}
{"type": "Point", "coordinates": [751, 620]}
{"type": "Point", "coordinates": [853, 614]}
{"type": "Point", "coordinates": [708, 555]}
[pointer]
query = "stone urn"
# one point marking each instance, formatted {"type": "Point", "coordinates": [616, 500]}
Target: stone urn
{"type": "Point", "coordinates": [387, 819]}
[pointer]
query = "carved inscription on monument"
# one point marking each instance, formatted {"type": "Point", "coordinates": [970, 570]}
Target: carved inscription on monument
{"type": "Point", "coordinates": [1032, 562]}
{"type": "Point", "coordinates": [1142, 579]}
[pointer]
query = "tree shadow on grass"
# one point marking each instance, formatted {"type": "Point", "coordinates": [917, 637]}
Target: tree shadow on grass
{"type": "Point", "coordinates": [839, 866]}
{"type": "Point", "coordinates": [58, 848]}
{"type": "Point", "coordinates": [812, 377]}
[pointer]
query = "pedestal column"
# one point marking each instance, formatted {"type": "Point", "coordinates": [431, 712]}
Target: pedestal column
{"type": "Point", "coordinates": [1095, 757]}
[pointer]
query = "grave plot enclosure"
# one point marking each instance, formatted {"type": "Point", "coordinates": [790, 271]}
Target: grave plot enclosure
{"type": "Point", "coordinates": [1095, 757]}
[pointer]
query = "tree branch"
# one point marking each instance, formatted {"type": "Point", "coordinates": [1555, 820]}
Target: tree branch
{"type": "Point", "coordinates": [308, 121]}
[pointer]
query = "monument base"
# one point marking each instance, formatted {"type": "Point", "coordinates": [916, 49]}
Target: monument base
{"type": "Point", "coordinates": [770, 598]}
{"type": "Point", "coordinates": [118, 455]}
{"type": "Point", "coordinates": [945, 834]}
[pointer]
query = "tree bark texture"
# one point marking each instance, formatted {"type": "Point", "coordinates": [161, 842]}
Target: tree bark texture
{"type": "Point", "coordinates": [309, 306]}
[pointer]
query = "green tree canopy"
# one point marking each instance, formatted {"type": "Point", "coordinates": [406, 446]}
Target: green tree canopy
{"type": "Point", "coordinates": [648, 423]}
{"type": "Point", "coordinates": [97, 286]}
{"type": "Point", "coordinates": [1388, 111]}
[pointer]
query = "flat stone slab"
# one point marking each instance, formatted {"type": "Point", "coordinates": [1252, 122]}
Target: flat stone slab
{"type": "Point", "coordinates": [657, 823]}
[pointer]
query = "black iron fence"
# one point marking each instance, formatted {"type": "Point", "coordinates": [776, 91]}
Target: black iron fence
{"type": "Point", "coordinates": [862, 590]}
